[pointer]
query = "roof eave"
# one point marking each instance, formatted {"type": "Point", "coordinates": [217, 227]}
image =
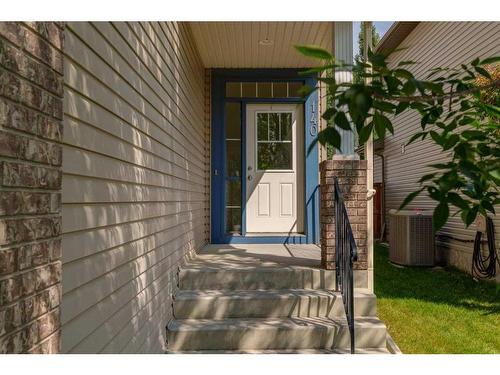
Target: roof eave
{"type": "Point", "coordinates": [395, 36]}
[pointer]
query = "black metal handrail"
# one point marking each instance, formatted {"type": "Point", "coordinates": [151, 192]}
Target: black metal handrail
{"type": "Point", "coordinates": [345, 255]}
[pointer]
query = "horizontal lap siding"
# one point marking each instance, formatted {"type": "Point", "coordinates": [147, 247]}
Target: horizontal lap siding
{"type": "Point", "coordinates": [134, 180]}
{"type": "Point", "coordinates": [432, 44]}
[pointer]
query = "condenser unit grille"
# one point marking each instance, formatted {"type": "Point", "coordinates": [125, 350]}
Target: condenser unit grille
{"type": "Point", "coordinates": [398, 239]}
{"type": "Point", "coordinates": [411, 239]}
{"type": "Point", "coordinates": [421, 241]}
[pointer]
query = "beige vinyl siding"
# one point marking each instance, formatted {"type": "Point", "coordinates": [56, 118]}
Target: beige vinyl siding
{"type": "Point", "coordinates": [135, 180]}
{"type": "Point", "coordinates": [433, 44]}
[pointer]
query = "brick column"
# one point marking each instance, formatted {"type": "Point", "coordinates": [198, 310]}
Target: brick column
{"type": "Point", "coordinates": [31, 110]}
{"type": "Point", "coordinates": [352, 182]}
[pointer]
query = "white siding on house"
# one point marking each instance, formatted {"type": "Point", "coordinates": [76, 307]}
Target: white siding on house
{"type": "Point", "coordinates": [433, 44]}
{"type": "Point", "coordinates": [135, 178]}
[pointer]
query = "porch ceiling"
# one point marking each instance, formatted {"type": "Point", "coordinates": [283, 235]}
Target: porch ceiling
{"type": "Point", "coordinates": [258, 44]}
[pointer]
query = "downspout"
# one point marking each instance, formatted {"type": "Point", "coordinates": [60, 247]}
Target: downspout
{"type": "Point", "coordinates": [382, 198]}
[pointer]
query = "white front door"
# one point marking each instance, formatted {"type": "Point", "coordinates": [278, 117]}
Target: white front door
{"type": "Point", "coordinates": [275, 168]}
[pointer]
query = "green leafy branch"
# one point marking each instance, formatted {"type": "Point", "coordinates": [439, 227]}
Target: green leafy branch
{"type": "Point", "coordinates": [459, 111]}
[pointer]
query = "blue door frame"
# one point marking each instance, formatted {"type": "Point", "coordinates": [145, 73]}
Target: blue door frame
{"type": "Point", "coordinates": [218, 152]}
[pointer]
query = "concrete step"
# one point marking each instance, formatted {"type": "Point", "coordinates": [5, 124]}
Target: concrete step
{"type": "Point", "coordinates": [256, 278]}
{"type": "Point", "coordinates": [363, 351]}
{"type": "Point", "coordinates": [272, 334]}
{"type": "Point", "coordinates": [286, 351]}
{"type": "Point", "coordinates": [221, 304]}
{"type": "Point", "coordinates": [283, 351]}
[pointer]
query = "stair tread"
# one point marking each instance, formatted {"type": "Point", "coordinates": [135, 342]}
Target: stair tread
{"type": "Point", "coordinates": [193, 267]}
{"type": "Point", "coordinates": [267, 323]}
{"type": "Point", "coordinates": [263, 293]}
{"type": "Point", "coordinates": [257, 293]}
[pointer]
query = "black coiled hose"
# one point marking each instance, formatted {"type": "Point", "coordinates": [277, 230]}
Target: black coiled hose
{"type": "Point", "coordinates": [484, 267]}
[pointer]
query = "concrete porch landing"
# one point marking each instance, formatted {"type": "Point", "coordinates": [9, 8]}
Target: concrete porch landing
{"type": "Point", "coordinates": [266, 299]}
{"type": "Point", "coordinates": [262, 256]}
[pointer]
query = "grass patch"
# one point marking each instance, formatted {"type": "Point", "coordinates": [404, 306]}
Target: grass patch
{"type": "Point", "coordinates": [436, 311]}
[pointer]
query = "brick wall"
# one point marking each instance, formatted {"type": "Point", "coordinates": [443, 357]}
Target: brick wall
{"type": "Point", "coordinates": [31, 107]}
{"type": "Point", "coordinates": [352, 181]}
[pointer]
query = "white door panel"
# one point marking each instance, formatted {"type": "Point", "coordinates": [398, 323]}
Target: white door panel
{"type": "Point", "coordinates": [263, 193]}
{"type": "Point", "coordinates": [286, 199]}
{"type": "Point", "coordinates": [275, 168]}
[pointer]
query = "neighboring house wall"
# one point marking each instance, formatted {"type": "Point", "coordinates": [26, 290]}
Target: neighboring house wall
{"type": "Point", "coordinates": [31, 110]}
{"type": "Point", "coordinates": [135, 175]}
{"type": "Point", "coordinates": [434, 44]}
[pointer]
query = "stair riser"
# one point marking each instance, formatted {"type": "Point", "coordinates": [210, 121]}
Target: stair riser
{"type": "Point", "coordinates": [280, 307]}
{"type": "Point", "coordinates": [364, 337]}
{"type": "Point", "coordinates": [275, 339]}
{"type": "Point", "coordinates": [252, 280]}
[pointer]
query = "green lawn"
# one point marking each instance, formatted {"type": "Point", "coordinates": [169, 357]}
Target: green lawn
{"type": "Point", "coordinates": [436, 311]}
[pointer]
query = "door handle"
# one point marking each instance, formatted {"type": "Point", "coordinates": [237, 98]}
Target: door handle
{"type": "Point", "coordinates": [249, 178]}
{"type": "Point", "coordinates": [249, 168]}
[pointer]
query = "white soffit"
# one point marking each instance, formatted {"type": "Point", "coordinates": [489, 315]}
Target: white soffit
{"type": "Point", "coordinates": [258, 44]}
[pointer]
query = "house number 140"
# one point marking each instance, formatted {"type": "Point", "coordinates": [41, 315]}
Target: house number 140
{"type": "Point", "coordinates": [313, 128]}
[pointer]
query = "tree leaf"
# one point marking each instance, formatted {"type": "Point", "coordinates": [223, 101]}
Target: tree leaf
{"type": "Point", "coordinates": [490, 60]}
{"type": "Point", "coordinates": [495, 174]}
{"type": "Point", "coordinates": [365, 132]}
{"type": "Point", "coordinates": [329, 113]}
{"type": "Point", "coordinates": [331, 82]}
{"type": "Point", "coordinates": [440, 215]}
{"type": "Point", "coordinates": [493, 109]}
{"type": "Point", "coordinates": [408, 62]}
{"type": "Point", "coordinates": [488, 206]}
{"type": "Point", "coordinates": [330, 136]}
{"type": "Point", "coordinates": [382, 122]}
{"type": "Point", "coordinates": [402, 106]}
{"type": "Point", "coordinates": [378, 60]}
{"type": "Point", "coordinates": [482, 71]}
{"type": "Point", "coordinates": [341, 121]}
{"type": "Point", "coordinates": [306, 90]}
{"type": "Point", "coordinates": [380, 130]}
{"type": "Point", "coordinates": [468, 216]}
{"type": "Point", "coordinates": [318, 69]}
{"type": "Point", "coordinates": [451, 141]}
{"type": "Point", "coordinates": [441, 166]}
{"type": "Point", "coordinates": [409, 198]}
{"type": "Point", "coordinates": [384, 106]}
{"type": "Point", "coordinates": [426, 177]}
{"type": "Point", "coordinates": [436, 137]}
{"type": "Point", "coordinates": [409, 87]}
{"type": "Point", "coordinates": [457, 201]}
{"type": "Point", "coordinates": [363, 102]}
{"type": "Point", "coordinates": [472, 134]}
{"type": "Point", "coordinates": [415, 137]}
{"type": "Point", "coordinates": [314, 52]}
{"type": "Point", "coordinates": [403, 73]}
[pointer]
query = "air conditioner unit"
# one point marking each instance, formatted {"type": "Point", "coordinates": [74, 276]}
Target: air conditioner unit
{"type": "Point", "coordinates": [411, 238]}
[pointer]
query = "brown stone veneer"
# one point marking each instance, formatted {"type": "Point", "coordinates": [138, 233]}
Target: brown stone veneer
{"type": "Point", "coordinates": [352, 181]}
{"type": "Point", "coordinates": [31, 107]}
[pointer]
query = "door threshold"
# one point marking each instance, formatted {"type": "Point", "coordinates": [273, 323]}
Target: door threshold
{"type": "Point", "coordinates": [266, 238]}
{"type": "Point", "coordinates": [274, 234]}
